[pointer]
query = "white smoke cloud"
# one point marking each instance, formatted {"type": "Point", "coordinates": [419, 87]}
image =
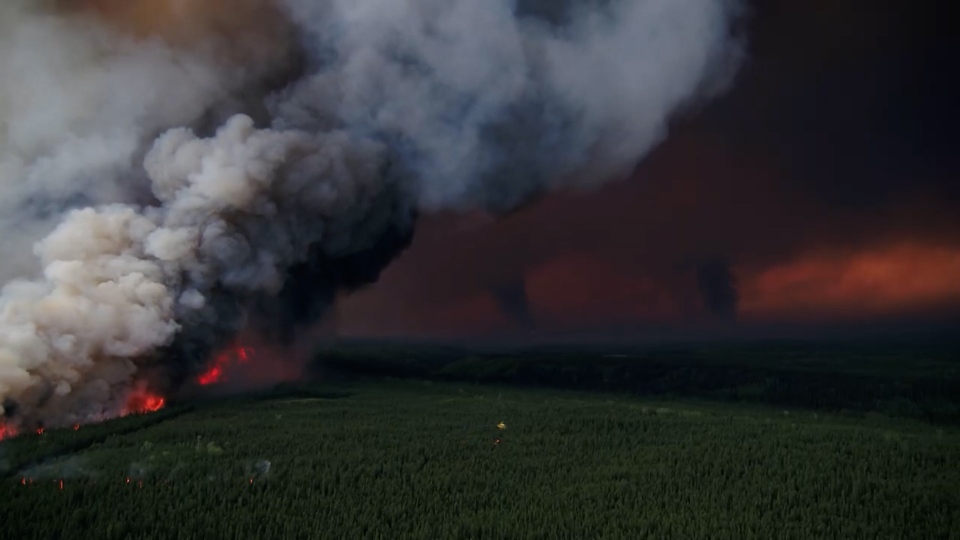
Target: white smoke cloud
{"type": "Point", "coordinates": [76, 103]}
{"type": "Point", "coordinates": [488, 107]}
{"type": "Point", "coordinates": [401, 105]}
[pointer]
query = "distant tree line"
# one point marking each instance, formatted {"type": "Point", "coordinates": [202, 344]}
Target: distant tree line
{"type": "Point", "coordinates": [852, 382]}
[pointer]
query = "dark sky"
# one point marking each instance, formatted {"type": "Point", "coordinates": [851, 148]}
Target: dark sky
{"type": "Point", "coordinates": [822, 191]}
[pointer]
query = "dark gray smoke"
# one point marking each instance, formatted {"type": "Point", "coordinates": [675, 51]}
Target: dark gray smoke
{"type": "Point", "coordinates": [175, 237]}
{"type": "Point", "coordinates": [513, 301]}
{"type": "Point", "coordinates": [718, 289]}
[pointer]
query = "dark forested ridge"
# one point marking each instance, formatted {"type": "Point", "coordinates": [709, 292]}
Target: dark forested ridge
{"type": "Point", "coordinates": [902, 379]}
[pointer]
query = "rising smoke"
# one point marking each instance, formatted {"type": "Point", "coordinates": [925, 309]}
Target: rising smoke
{"type": "Point", "coordinates": [176, 182]}
{"type": "Point", "coordinates": [513, 301]}
{"type": "Point", "coordinates": [718, 288]}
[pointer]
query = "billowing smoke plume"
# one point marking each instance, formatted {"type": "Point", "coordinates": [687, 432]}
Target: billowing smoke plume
{"type": "Point", "coordinates": [174, 190]}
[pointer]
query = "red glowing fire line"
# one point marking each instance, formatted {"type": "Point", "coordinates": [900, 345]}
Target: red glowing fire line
{"type": "Point", "coordinates": [215, 373]}
{"type": "Point", "coordinates": [7, 432]}
{"type": "Point", "coordinates": [140, 401]}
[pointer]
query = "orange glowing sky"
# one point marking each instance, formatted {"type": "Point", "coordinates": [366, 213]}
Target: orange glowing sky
{"type": "Point", "coordinates": [179, 17]}
{"type": "Point", "coordinates": [881, 281]}
{"type": "Point", "coordinates": [249, 31]}
{"type": "Point", "coordinates": [578, 288]}
{"type": "Point", "coordinates": [621, 256]}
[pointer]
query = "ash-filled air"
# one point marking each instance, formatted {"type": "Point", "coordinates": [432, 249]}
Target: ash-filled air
{"type": "Point", "coordinates": [172, 171]}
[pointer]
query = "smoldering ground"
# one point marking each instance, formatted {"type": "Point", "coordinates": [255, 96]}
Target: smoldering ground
{"type": "Point", "coordinates": [182, 170]}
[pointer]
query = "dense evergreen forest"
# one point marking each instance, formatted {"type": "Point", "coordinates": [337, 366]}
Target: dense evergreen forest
{"type": "Point", "coordinates": [421, 460]}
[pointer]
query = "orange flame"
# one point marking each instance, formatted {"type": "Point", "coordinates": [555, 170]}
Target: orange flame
{"type": "Point", "coordinates": [142, 401]}
{"type": "Point", "coordinates": [215, 373]}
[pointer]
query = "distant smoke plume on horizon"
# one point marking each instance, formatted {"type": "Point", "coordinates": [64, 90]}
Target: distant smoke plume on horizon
{"type": "Point", "coordinates": [171, 172]}
{"type": "Point", "coordinates": [513, 301]}
{"type": "Point", "coordinates": [718, 288]}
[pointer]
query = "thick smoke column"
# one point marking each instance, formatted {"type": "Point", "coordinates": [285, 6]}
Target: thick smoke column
{"type": "Point", "coordinates": [513, 301]}
{"type": "Point", "coordinates": [718, 288]}
{"type": "Point", "coordinates": [157, 238]}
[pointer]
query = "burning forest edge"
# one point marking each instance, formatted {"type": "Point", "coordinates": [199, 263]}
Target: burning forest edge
{"type": "Point", "coordinates": [142, 400]}
{"type": "Point", "coordinates": [176, 192]}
